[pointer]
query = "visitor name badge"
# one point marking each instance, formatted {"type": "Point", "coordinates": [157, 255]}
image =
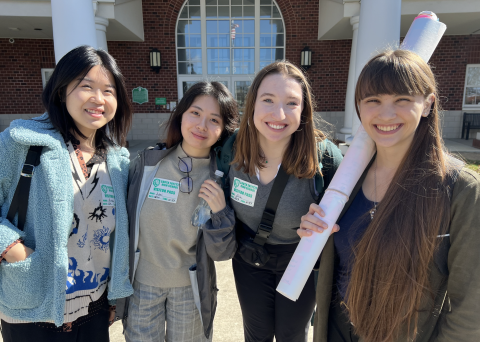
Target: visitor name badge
{"type": "Point", "coordinates": [108, 196]}
{"type": "Point", "coordinates": [244, 192]}
{"type": "Point", "coordinates": [164, 190]}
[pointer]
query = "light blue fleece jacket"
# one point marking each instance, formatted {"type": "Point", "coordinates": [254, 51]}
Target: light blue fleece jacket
{"type": "Point", "coordinates": [33, 290]}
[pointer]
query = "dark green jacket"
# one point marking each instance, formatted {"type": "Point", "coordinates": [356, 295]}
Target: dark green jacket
{"type": "Point", "coordinates": [458, 294]}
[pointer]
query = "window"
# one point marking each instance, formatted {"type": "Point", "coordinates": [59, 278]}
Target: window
{"type": "Point", "coordinates": [227, 41]}
{"type": "Point", "coordinates": [472, 87]}
{"type": "Point", "coordinates": [46, 74]}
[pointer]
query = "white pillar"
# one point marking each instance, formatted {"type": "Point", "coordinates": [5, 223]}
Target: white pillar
{"type": "Point", "coordinates": [378, 29]}
{"type": "Point", "coordinates": [101, 28]}
{"type": "Point", "coordinates": [73, 25]}
{"type": "Point", "coordinates": [350, 97]}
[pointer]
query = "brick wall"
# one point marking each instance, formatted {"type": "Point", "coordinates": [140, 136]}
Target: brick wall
{"type": "Point", "coordinates": [20, 63]}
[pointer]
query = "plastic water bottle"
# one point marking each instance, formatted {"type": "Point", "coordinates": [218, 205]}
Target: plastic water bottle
{"type": "Point", "coordinates": [201, 213]}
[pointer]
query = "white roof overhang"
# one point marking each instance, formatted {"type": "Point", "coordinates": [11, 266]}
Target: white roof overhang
{"type": "Point", "coordinates": [19, 19]}
{"type": "Point", "coordinates": [462, 17]}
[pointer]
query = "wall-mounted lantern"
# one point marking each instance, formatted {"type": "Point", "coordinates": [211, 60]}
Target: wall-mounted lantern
{"type": "Point", "coordinates": [155, 60]}
{"type": "Point", "coordinates": [306, 58]}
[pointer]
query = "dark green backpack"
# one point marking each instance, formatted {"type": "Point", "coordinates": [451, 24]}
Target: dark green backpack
{"type": "Point", "coordinates": [226, 152]}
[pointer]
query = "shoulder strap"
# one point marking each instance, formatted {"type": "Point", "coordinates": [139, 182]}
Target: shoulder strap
{"type": "Point", "coordinates": [324, 161]}
{"type": "Point", "coordinates": [224, 156]}
{"type": "Point", "coordinates": [266, 224]}
{"type": "Point", "coordinates": [20, 198]}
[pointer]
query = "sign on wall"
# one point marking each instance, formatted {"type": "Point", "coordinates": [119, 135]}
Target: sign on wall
{"type": "Point", "coordinates": [139, 95]}
{"type": "Point", "coordinates": [160, 101]}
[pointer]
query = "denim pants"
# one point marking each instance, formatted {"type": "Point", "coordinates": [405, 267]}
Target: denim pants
{"type": "Point", "coordinates": [151, 307]}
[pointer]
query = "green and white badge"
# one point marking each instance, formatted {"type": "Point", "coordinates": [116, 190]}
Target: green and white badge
{"type": "Point", "coordinates": [244, 192]}
{"type": "Point", "coordinates": [108, 197]}
{"type": "Point", "coordinates": [164, 190]}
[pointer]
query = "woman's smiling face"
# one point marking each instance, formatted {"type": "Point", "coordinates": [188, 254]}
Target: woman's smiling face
{"type": "Point", "coordinates": [278, 108]}
{"type": "Point", "coordinates": [92, 103]}
{"type": "Point", "coordinates": [202, 126]}
{"type": "Point", "coordinates": [391, 120]}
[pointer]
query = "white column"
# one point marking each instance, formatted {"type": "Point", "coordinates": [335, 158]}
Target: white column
{"type": "Point", "coordinates": [378, 29]}
{"type": "Point", "coordinates": [349, 99]}
{"type": "Point", "coordinates": [73, 25]}
{"type": "Point", "coordinates": [101, 28]}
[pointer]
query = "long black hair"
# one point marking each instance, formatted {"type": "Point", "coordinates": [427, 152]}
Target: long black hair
{"type": "Point", "coordinates": [228, 110]}
{"type": "Point", "coordinates": [74, 66]}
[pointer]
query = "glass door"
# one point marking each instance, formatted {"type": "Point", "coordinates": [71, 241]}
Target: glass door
{"type": "Point", "coordinates": [239, 90]}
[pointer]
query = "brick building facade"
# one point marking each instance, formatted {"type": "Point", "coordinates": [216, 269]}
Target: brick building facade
{"type": "Point", "coordinates": [21, 81]}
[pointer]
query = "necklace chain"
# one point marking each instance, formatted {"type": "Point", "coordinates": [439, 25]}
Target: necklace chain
{"type": "Point", "coordinates": [374, 209]}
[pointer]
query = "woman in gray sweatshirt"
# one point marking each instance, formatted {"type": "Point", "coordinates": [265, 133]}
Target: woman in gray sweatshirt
{"type": "Point", "coordinates": [165, 186]}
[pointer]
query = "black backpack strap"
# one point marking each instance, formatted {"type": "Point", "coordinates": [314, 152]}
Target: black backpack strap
{"type": "Point", "coordinates": [20, 198]}
{"type": "Point", "coordinates": [266, 224]}
{"type": "Point", "coordinates": [224, 156]}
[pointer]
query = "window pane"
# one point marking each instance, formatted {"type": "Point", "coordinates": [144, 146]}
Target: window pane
{"type": "Point", "coordinates": [277, 40]}
{"type": "Point", "coordinates": [249, 2]}
{"type": "Point", "coordinates": [212, 40]}
{"type": "Point", "coordinates": [278, 54]}
{"type": "Point", "coordinates": [181, 40]}
{"type": "Point", "coordinates": [241, 90]}
{"type": "Point", "coordinates": [194, 12]}
{"type": "Point", "coordinates": [182, 55]}
{"type": "Point", "coordinates": [248, 26]}
{"type": "Point", "coordinates": [212, 26]}
{"type": "Point", "coordinates": [223, 12]}
{"type": "Point", "coordinates": [186, 68]}
{"type": "Point", "coordinates": [224, 26]}
{"type": "Point", "coordinates": [182, 26]}
{"type": "Point", "coordinates": [224, 40]}
{"type": "Point", "coordinates": [194, 2]}
{"type": "Point", "coordinates": [265, 26]}
{"type": "Point", "coordinates": [211, 2]}
{"type": "Point", "coordinates": [276, 12]}
{"type": "Point", "coordinates": [265, 40]}
{"type": "Point", "coordinates": [184, 13]}
{"type": "Point", "coordinates": [223, 2]}
{"type": "Point", "coordinates": [265, 2]}
{"type": "Point", "coordinates": [236, 2]}
{"type": "Point", "coordinates": [243, 68]}
{"type": "Point", "coordinates": [265, 11]}
{"type": "Point", "coordinates": [195, 41]}
{"type": "Point", "coordinates": [265, 54]}
{"type": "Point", "coordinates": [194, 26]}
{"type": "Point", "coordinates": [248, 40]}
{"type": "Point", "coordinates": [236, 11]}
{"type": "Point", "coordinates": [211, 11]}
{"type": "Point", "coordinates": [187, 84]}
{"type": "Point", "coordinates": [277, 26]}
{"type": "Point", "coordinates": [472, 95]}
{"type": "Point", "coordinates": [473, 76]}
{"type": "Point", "coordinates": [249, 12]}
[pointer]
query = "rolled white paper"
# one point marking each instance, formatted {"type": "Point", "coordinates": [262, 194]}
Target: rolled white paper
{"type": "Point", "coordinates": [422, 38]}
{"type": "Point", "coordinates": [341, 186]}
{"type": "Point", "coordinates": [424, 35]}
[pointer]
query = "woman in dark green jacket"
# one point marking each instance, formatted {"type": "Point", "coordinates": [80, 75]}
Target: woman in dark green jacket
{"type": "Point", "coordinates": [405, 264]}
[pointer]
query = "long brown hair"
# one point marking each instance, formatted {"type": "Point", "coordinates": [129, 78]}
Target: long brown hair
{"type": "Point", "coordinates": [226, 102]}
{"type": "Point", "coordinates": [390, 271]}
{"type": "Point", "coordinates": [300, 157]}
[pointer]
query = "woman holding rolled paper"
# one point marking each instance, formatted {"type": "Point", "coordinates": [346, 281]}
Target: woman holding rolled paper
{"type": "Point", "coordinates": [277, 140]}
{"type": "Point", "coordinates": [404, 266]}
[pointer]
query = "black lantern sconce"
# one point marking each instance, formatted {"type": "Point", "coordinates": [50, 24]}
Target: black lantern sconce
{"type": "Point", "coordinates": [155, 60]}
{"type": "Point", "coordinates": [306, 58]}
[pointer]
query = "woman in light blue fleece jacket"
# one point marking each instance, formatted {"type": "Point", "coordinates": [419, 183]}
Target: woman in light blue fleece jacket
{"type": "Point", "coordinates": [56, 274]}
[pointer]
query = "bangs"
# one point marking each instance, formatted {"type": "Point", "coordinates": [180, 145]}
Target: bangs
{"type": "Point", "coordinates": [391, 75]}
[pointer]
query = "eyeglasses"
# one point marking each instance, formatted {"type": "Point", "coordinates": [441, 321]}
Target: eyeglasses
{"type": "Point", "coordinates": [186, 183]}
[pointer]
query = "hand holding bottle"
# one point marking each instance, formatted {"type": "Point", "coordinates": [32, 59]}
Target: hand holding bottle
{"type": "Point", "coordinates": [212, 193]}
